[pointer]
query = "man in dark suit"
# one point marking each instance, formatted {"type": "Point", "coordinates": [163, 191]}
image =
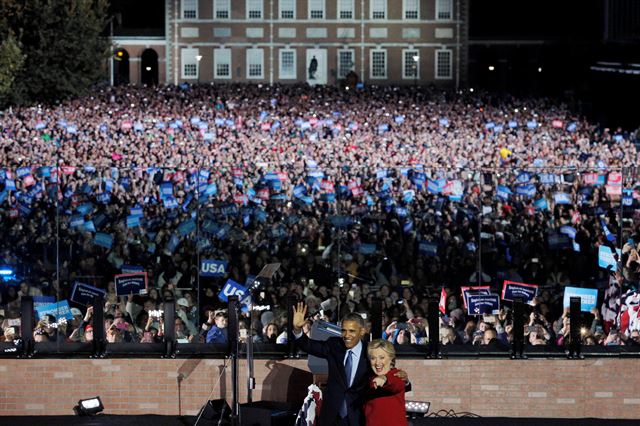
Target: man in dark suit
{"type": "Point", "coordinates": [348, 368]}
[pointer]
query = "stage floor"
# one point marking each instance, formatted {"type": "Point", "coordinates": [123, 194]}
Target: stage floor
{"type": "Point", "coordinates": [151, 420]}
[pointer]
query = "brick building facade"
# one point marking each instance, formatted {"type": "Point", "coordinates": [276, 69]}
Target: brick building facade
{"type": "Point", "coordinates": [317, 41]}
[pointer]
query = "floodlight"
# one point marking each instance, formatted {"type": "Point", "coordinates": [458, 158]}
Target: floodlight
{"type": "Point", "coordinates": [89, 407]}
{"type": "Point", "coordinates": [416, 409]}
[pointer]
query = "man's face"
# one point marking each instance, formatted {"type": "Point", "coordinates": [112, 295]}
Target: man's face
{"type": "Point", "coordinates": [352, 332]}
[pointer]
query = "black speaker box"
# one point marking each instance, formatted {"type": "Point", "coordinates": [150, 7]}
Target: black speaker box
{"type": "Point", "coordinates": [216, 411]}
{"type": "Point", "coordinates": [267, 413]}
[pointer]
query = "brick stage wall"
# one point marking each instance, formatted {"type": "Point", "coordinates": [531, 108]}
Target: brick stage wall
{"type": "Point", "coordinates": [604, 388]}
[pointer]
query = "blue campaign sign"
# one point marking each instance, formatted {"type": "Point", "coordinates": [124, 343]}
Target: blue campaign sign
{"type": "Point", "coordinates": [606, 259]}
{"type": "Point", "coordinates": [367, 249]}
{"type": "Point", "coordinates": [588, 297]}
{"type": "Point", "coordinates": [213, 268]}
{"type": "Point", "coordinates": [83, 294]}
{"type": "Point", "coordinates": [131, 283]}
{"type": "Point", "coordinates": [480, 304]}
{"type": "Point", "coordinates": [58, 310]}
{"type": "Point", "coordinates": [43, 300]}
{"type": "Point", "coordinates": [569, 231]}
{"type": "Point", "coordinates": [166, 190]}
{"type": "Point", "coordinates": [131, 269]}
{"type": "Point", "coordinates": [512, 290]}
{"type": "Point", "coordinates": [528, 190]}
{"type": "Point", "coordinates": [562, 198]}
{"type": "Point", "coordinates": [231, 288]}
{"type": "Point", "coordinates": [428, 249]}
{"type": "Point", "coordinates": [103, 240]}
{"type": "Point", "coordinates": [186, 227]}
{"type": "Point", "coordinates": [541, 204]}
{"type": "Point", "coordinates": [468, 291]}
{"type": "Point", "coordinates": [133, 221]}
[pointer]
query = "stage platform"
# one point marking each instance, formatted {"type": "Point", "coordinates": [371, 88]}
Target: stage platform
{"type": "Point", "coordinates": [151, 420]}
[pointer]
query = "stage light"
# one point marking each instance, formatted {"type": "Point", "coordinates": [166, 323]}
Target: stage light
{"type": "Point", "coordinates": [416, 409]}
{"type": "Point", "coordinates": [5, 270]}
{"type": "Point", "coordinates": [148, 68]}
{"type": "Point", "coordinates": [471, 89]}
{"type": "Point", "coordinates": [539, 69]}
{"type": "Point", "coordinates": [491, 68]}
{"type": "Point", "coordinates": [89, 407]}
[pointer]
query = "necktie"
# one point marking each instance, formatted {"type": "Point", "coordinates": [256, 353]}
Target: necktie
{"type": "Point", "coordinates": [348, 365]}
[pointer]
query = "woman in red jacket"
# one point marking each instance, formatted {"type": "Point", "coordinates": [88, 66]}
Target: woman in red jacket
{"type": "Point", "coordinates": [385, 405]}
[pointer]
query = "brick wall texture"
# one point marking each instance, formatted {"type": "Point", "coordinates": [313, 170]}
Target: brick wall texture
{"type": "Point", "coordinates": [605, 388]}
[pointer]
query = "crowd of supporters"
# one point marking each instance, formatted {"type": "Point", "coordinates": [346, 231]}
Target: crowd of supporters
{"type": "Point", "coordinates": [383, 192]}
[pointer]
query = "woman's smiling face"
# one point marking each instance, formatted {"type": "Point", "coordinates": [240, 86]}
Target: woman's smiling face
{"type": "Point", "coordinates": [380, 361]}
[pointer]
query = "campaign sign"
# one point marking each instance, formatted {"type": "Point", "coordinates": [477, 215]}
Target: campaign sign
{"type": "Point", "coordinates": [43, 300]}
{"type": "Point", "coordinates": [480, 304]}
{"type": "Point", "coordinates": [606, 259]}
{"type": "Point", "coordinates": [58, 310]}
{"type": "Point", "coordinates": [467, 291]}
{"type": "Point", "coordinates": [213, 268]}
{"type": "Point", "coordinates": [512, 290]}
{"type": "Point", "coordinates": [131, 283]}
{"type": "Point", "coordinates": [588, 297]}
{"type": "Point", "coordinates": [131, 269]}
{"type": "Point", "coordinates": [231, 288]}
{"type": "Point", "coordinates": [83, 294]}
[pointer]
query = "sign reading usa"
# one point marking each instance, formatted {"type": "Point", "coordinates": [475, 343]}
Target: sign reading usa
{"type": "Point", "coordinates": [231, 288]}
{"type": "Point", "coordinates": [213, 268]}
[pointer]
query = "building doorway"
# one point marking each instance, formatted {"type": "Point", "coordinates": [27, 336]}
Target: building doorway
{"type": "Point", "coordinates": [149, 68]}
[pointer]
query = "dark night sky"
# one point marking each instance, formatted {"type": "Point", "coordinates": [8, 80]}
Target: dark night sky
{"type": "Point", "coordinates": [520, 19]}
{"type": "Point", "coordinates": [489, 18]}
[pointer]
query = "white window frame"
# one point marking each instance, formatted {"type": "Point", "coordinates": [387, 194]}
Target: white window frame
{"type": "Point", "coordinates": [254, 5]}
{"type": "Point", "coordinates": [259, 53]}
{"type": "Point", "coordinates": [219, 55]}
{"type": "Point", "coordinates": [346, 6]}
{"type": "Point", "coordinates": [291, 7]}
{"type": "Point", "coordinates": [283, 75]}
{"type": "Point", "coordinates": [188, 6]}
{"type": "Point", "coordinates": [221, 6]}
{"type": "Point", "coordinates": [437, 61]}
{"type": "Point", "coordinates": [405, 9]}
{"type": "Point", "coordinates": [188, 57]}
{"type": "Point", "coordinates": [339, 62]}
{"type": "Point", "coordinates": [312, 6]}
{"type": "Point", "coordinates": [412, 52]}
{"type": "Point", "coordinates": [386, 64]}
{"type": "Point", "coordinates": [440, 9]}
{"type": "Point", "coordinates": [372, 10]}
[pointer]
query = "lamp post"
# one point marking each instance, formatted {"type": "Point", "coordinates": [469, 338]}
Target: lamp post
{"type": "Point", "coordinates": [416, 60]}
{"type": "Point", "coordinates": [198, 59]}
